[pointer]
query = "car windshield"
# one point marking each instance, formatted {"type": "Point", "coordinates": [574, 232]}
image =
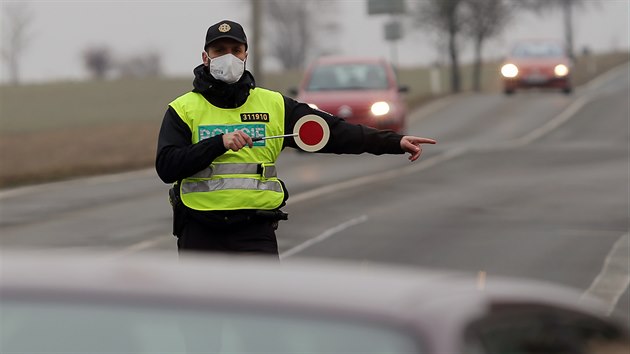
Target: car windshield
{"type": "Point", "coordinates": [348, 77]}
{"type": "Point", "coordinates": [538, 50]}
{"type": "Point", "coordinates": [80, 328]}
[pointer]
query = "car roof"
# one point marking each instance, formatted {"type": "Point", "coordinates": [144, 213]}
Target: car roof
{"type": "Point", "coordinates": [376, 290]}
{"type": "Point", "coordinates": [539, 39]}
{"type": "Point", "coordinates": [525, 41]}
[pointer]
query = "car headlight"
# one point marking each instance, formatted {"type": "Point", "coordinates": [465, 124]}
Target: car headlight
{"type": "Point", "coordinates": [509, 70]}
{"type": "Point", "coordinates": [561, 70]}
{"type": "Point", "coordinates": [313, 106]}
{"type": "Point", "coordinates": [380, 108]}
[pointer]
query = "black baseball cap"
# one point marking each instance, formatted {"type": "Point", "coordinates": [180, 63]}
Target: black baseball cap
{"type": "Point", "coordinates": [225, 29]}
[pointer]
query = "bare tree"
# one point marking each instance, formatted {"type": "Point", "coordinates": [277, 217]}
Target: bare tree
{"type": "Point", "coordinates": [16, 24]}
{"type": "Point", "coordinates": [484, 19]}
{"type": "Point", "coordinates": [293, 41]}
{"type": "Point", "coordinates": [444, 16]}
{"type": "Point", "coordinates": [98, 61]}
{"type": "Point", "coordinates": [140, 66]}
{"type": "Point", "coordinates": [567, 7]}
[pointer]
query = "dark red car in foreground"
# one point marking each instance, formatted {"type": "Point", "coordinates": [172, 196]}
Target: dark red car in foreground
{"type": "Point", "coordinates": [95, 303]}
{"type": "Point", "coordinates": [360, 90]}
{"type": "Point", "coordinates": [537, 63]}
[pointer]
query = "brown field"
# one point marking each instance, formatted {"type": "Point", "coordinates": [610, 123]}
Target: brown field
{"type": "Point", "coordinates": [44, 156]}
{"type": "Point", "coordinates": [63, 130]}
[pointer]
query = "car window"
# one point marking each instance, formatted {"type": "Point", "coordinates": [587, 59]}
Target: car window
{"type": "Point", "coordinates": [538, 50]}
{"type": "Point", "coordinates": [348, 77]}
{"type": "Point", "coordinates": [536, 329]}
{"type": "Point", "coordinates": [79, 328]}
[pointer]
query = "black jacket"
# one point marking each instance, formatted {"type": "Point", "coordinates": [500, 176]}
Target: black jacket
{"type": "Point", "coordinates": [177, 158]}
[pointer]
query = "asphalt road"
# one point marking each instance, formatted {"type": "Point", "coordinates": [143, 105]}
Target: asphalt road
{"type": "Point", "coordinates": [535, 185]}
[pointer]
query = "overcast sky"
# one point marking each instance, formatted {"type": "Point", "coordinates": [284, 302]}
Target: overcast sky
{"type": "Point", "coordinates": [61, 30]}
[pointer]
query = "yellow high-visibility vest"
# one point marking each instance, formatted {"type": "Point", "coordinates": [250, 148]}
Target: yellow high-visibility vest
{"type": "Point", "coordinates": [245, 179]}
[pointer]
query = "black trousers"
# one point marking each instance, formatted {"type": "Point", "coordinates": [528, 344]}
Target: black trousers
{"type": "Point", "coordinates": [256, 237]}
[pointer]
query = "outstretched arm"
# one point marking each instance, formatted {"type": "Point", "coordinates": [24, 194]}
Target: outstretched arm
{"type": "Point", "coordinates": [345, 138]}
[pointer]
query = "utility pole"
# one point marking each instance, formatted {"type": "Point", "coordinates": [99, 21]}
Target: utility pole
{"type": "Point", "coordinates": [567, 7]}
{"type": "Point", "coordinates": [255, 43]}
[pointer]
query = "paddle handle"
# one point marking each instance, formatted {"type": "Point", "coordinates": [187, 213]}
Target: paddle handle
{"type": "Point", "coordinates": [274, 137]}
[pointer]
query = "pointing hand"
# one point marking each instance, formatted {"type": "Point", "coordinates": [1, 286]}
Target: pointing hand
{"type": "Point", "coordinates": [412, 145]}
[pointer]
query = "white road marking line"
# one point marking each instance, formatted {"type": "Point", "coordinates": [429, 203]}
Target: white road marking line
{"type": "Point", "coordinates": [608, 75]}
{"type": "Point", "coordinates": [326, 234]}
{"type": "Point", "coordinates": [554, 123]}
{"type": "Point", "coordinates": [143, 245]}
{"type": "Point", "coordinates": [571, 110]}
{"type": "Point", "coordinates": [378, 177]}
{"type": "Point", "coordinates": [614, 278]}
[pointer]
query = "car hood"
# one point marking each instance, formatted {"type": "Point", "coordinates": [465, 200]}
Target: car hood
{"type": "Point", "coordinates": [338, 97]}
{"type": "Point", "coordinates": [524, 62]}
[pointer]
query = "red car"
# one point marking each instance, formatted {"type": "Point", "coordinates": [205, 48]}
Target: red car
{"type": "Point", "coordinates": [359, 90]}
{"type": "Point", "coordinates": [537, 63]}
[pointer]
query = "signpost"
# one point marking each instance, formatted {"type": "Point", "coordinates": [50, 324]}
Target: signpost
{"type": "Point", "coordinates": [393, 28]}
{"type": "Point", "coordinates": [392, 7]}
{"type": "Point", "coordinates": [393, 32]}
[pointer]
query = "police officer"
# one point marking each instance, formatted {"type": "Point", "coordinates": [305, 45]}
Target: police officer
{"type": "Point", "coordinates": [227, 196]}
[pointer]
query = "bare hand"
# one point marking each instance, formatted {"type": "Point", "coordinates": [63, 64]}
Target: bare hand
{"type": "Point", "coordinates": [411, 144]}
{"type": "Point", "coordinates": [237, 140]}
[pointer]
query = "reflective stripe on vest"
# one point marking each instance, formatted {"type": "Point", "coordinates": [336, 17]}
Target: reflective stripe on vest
{"type": "Point", "coordinates": [267, 171]}
{"type": "Point", "coordinates": [230, 183]}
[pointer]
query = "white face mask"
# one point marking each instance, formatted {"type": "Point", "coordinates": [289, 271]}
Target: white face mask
{"type": "Point", "coordinates": [227, 68]}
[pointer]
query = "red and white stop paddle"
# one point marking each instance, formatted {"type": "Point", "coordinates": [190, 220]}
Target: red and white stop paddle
{"type": "Point", "coordinates": [311, 133]}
